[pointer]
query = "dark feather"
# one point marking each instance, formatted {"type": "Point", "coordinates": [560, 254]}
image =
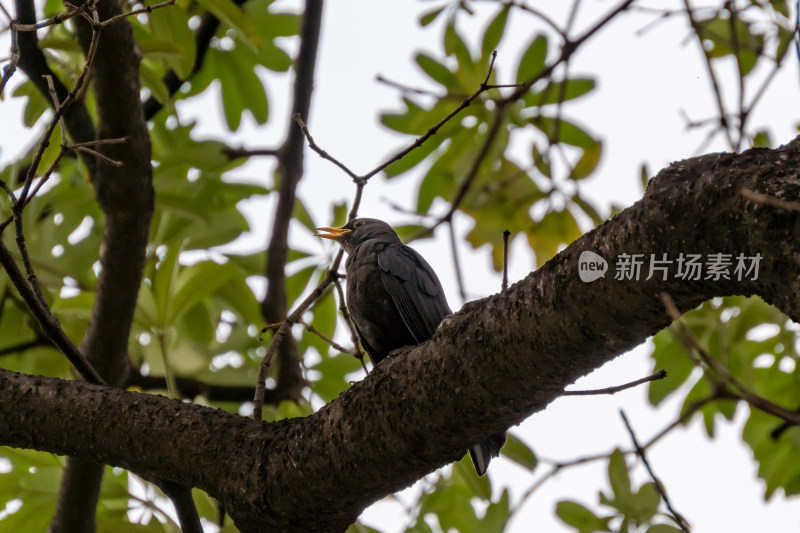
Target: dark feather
{"type": "Point", "coordinates": [395, 300]}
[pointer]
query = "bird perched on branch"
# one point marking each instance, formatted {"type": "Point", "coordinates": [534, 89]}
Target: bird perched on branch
{"type": "Point", "coordinates": [395, 299]}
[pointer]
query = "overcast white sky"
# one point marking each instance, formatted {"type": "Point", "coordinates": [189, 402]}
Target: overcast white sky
{"type": "Point", "coordinates": [644, 81]}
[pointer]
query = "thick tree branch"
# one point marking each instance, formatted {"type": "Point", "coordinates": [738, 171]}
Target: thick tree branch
{"type": "Point", "coordinates": [275, 306]}
{"type": "Point", "coordinates": [125, 195]}
{"type": "Point", "coordinates": [209, 24]}
{"type": "Point", "coordinates": [34, 64]}
{"type": "Point", "coordinates": [489, 366]}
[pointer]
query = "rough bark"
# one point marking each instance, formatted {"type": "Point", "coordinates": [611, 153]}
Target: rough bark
{"type": "Point", "coordinates": [490, 366]}
{"type": "Point", "coordinates": [290, 171]}
{"type": "Point", "coordinates": [125, 194]}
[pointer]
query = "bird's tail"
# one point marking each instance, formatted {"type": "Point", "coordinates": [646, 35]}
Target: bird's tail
{"type": "Point", "coordinates": [482, 453]}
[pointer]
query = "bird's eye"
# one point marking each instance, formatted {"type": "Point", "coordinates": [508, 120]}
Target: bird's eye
{"type": "Point", "coordinates": [357, 224]}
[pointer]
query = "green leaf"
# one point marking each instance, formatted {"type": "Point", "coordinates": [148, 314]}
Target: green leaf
{"type": "Point", "coordinates": [358, 527]}
{"type": "Point", "coordinates": [301, 214]}
{"type": "Point", "coordinates": [644, 176]}
{"type": "Point", "coordinates": [241, 88]}
{"type": "Point", "coordinates": [762, 140]}
{"type": "Point", "coordinates": [414, 157]}
{"type": "Point", "coordinates": [454, 45]}
{"type": "Point", "coordinates": [240, 298]}
{"type": "Point", "coordinates": [662, 528]}
{"type": "Point", "coordinates": [494, 31]}
{"type": "Point", "coordinates": [426, 18]}
{"type": "Point", "coordinates": [618, 476]}
{"type": "Point", "coordinates": [163, 279]}
{"type": "Point", "coordinates": [171, 25]}
{"type": "Point", "coordinates": [781, 6]}
{"type": "Point", "coordinates": [559, 91]}
{"type": "Point", "coordinates": [198, 325]}
{"type": "Point", "coordinates": [519, 452]}
{"type": "Point", "coordinates": [297, 282]}
{"type": "Point", "coordinates": [563, 131]}
{"type": "Point", "coordinates": [437, 71]}
{"type": "Point", "coordinates": [333, 370]}
{"type": "Point", "coordinates": [588, 161]}
{"type": "Point", "coordinates": [151, 78]}
{"type": "Point", "coordinates": [193, 284]}
{"type": "Point", "coordinates": [230, 14]}
{"type": "Point", "coordinates": [541, 161]}
{"type": "Point", "coordinates": [670, 355]}
{"type": "Point", "coordinates": [582, 519]}
{"type": "Point", "coordinates": [645, 503]}
{"type": "Point", "coordinates": [727, 37]}
{"type": "Point", "coordinates": [497, 514]}
{"type": "Point", "coordinates": [35, 105]}
{"type": "Point", "coordinates": [533, 60]}
{"type": "Point", "coordinates": [464, 475]}
{"type": "Point", "coordinates": [588, 209]}
{"type": "Point", "coordinates": [557, 228]}
{"type": "Point", "coordinates": [270, 26]}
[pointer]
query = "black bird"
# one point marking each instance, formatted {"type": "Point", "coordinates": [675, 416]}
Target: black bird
{"type": "Point", "coordinates": [395, 299]}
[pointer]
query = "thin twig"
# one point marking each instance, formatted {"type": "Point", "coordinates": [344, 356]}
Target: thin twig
{"type": "Point", "coordinates": [413, 90]}
{"type": "Point", "coordinates": [21, 347]}
{"type": "Point", "coordinates": [561, 465]}
{"type": "Point", "coordinates": [535, 12]}
{"type": "Point", "coordinates": [98, 155]}
{"type": "Point", "coordinates": [359, 353]}
{"type": "Point", "coordinates": [661, 374]}
{"type": "Point", "coordinates": [11, 67]}
{"type": "Point", "coordinates": [753, 399]}
{"type": "Point", "coordinates": [146, 9]}
{"type": "Point", "coordinates": [324, 154]}
{"type": "Point", "coordinates": [335, 345]}
{"type": "Point", "coordinates": [57, 19]}
{"type": "Point", "coordinates": [432, 131]}
{"type": "Point", "coordinates": [46, 320]}
{"type": "Point", "coordinates": [62, 108]}
{"type": "Point", "coordinates": [770, 200]}
{"type": "Point", "coordinates": [236, 153]}
{"type": "Point", "coordinates": [732, 20]}
{"type": "Point", "coordinates": [494, 129]}
{"type": "Point", "coordinates": [504, 284]}
{"type": "Point", "coordinates": [723, 121]}
{"type": "Point", "coordinates": [679, 519]}
{"type": "Point", "coordinates": [281, 332]}
{"type": "Point", "coordinates": [456, 263]}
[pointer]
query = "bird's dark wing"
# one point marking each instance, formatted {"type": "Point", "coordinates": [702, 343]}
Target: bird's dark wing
{"type": "Point", "coordinates": [370, 349]}
{"type": "Point", "coordinates": [414, 288]}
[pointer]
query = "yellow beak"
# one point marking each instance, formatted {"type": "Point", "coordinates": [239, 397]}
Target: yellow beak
{"type": "Point", "coordinates": [335, 234]}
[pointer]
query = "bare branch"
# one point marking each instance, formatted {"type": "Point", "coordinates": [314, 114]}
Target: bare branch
{"type": "Point", "coordinates": [679, 519]}
{"type": "Point", "coordinates": [770, 200]}
{"type": "Point", "coordinates": [723, 121]}
{"type": "Point", "coordinates": [322, 153]}
{"type": "Point", "coordinates": [237, 153]}
{"type": "Point", "coordinates": [335, 345]}
{"type": "Point", "coordinates": [9, 69]}
{"type": "Point", "coordinates": [146, 9]}
{"type": "Point", "coordinates": [46, 320]}
{"type": "Point", "coordinates": [185, 508]}
{"type": "Point", "coordinates": [759, 402]}
{"type": "Point", "coordinates": [413, 90]}
{"type": "Point", "coordinates": [359, 353]}
{"type": "Point", "coordinates": [456, 263]}
{"type": "Point", "coordinates": [661, 374]}
{"type": "Point", "coordinates": [504, 284]}
{"type": "Point", "coordinates": [436, 127]}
